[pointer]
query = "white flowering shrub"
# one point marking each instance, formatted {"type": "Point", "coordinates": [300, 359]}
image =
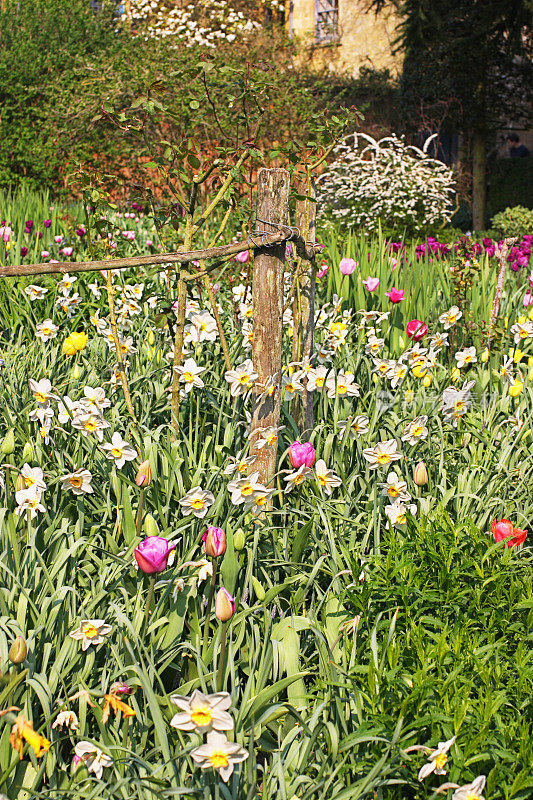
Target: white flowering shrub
{"type": "Point", "coordinates": [202, 24]}
{"type": "Point", "coordinates": [387, 182]}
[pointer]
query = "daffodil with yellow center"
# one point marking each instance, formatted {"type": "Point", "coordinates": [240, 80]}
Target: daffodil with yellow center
{"type": "Point", "coordinates": [40, 397]}
{"type": "Point", "coordinates": [197, 504]}
{"type": "Point", "coordinates": [188, 377]}
{"type": "Point", "coordinates": [441, 760]}
{"type": "Point", "coordinates": [392, 491]}
{"type": "Point", "coordinates": [90, 426]}
{"type": "Point", "coordinates": [75, 481]}
{"type": "Point", "coordinates": [218, 759]}
{"type": "Point", "coordinates": [89, 630]}
{"type": "Point", "coordinates": [202, 716]}
{"type": "Point", "coordinates": [384, 458]}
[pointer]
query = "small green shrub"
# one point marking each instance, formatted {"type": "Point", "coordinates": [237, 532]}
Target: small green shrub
{"type": "Point", "coordinates": [510, 184]}
{"type": "Point", "coordinates": [516, 221]}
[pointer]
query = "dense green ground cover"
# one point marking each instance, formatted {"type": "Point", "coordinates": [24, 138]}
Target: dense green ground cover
{"type": "Point", "coordinates": [359, 631]}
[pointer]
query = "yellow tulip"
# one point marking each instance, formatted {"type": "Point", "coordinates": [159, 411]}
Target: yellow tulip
{"type": "Point", "coordinates": [516, 355]}
{"type": "Point", "coordinates": [506, 322]}
{"type": "Point", "coordinates": [151, 337]}
{"type": "Point", "coordinates": [456, 374]}
{"type": "Point", "coordinates": [419, 370]}
{"type": "Point", "coordinates": [427, 381]}
{"type": "Point", "coordinates": [484, 357]}
{"type": "Point", "coordinates": [74, 343]}
{"type": "Point", "coordinates": [516, 388]}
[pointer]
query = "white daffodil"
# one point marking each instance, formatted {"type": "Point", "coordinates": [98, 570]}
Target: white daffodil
{"type": "Point", "coordinates": [243, 490]}
{"type": "Point", "coordinates": [68, 304]}
{"type": "Point", "coordinates": [95, 290]}
{"type": "Point", "coordinates": [94, 759]}
{"type": "Point", "coordinates": [437, 760]}
{"type": "Point", "coordinates": [456, 402]}
{"type": "Point", "coordinates": [383, 366]}
{"type": "Point", "coordinates": [507, 369]}
{"type": "Point", "coordinates": [357, 426]}
{"type": "Point", "coordinates": [35, 292]}
{"type": "Point", "coordinates": [202, 712]}
{"type": "Point", "coordinates": [374, 345]}
{"type": "Point", "coordinates": [247, 332]}
{"type": "Point", "coordinates": [202, 327]}
{"type": "Point", "coordinates": [382, 454]}
{"type": "Point", "coordinates": [342, 385]}
{"type": "Point", "coordinates": [135, 291]}
{"type": "Point", "coordinates": [515, 421]}
{"type": "Point", "coordinates": [239, 464]}
{"type": "Point", "coordinates": [268, 437]}
{"type": "Point", "coordinates": [449, 318]}
{"type": "Point", "coordinates": [66, 283]}
{"type": "Point", "coordinates": [91, 632]}
{"type": "Point", "coordinates": [326, 478]}
{"type": "Point", "coordinates": [78, 482]}
{"type": "Point", "coordinates": [242, 378]}
{"type": "Point", "coordinates": [316, 378]}
{"type": "Point", "coordinates": [92, 424]}
{"type": "Point", "coordinates": [466, 358]}
{"type": "Point", "coordinates": [119, 450]}
{"type": "Point", "coordinates": [416, 430]}
{"type": "Point", "coordinates": [397, 374]}
{"type": "Point", "coordinates": [42, 414]}
{"type": "Point", "coordinates": [28, 502]}
{"type": "Point", "coordinates": [395, 488]}
{"type": "Point", "coordinates": [189, 373]}
{"type": "Point", "coordinates": [42, 391]}
{"type": "Point", "coordinates": [522, 331]}
{"type": "Point", "coordinates": [258, 502]}
{"type": "Point", "coordinates": [471, 791]}
{"type": "Point", "coordinates": [66, 719]}
{"type": "Point", "coordinates": [397, 512]}
{"type": "Point", "coordinates": [95, 399]}
{"type": "Point", "coordinates": [33, 478]}
{"type": "Point", "coordinates": [126, 346]}
{"type": "Point", "coordinates": [438, 340]}
{"type": "Point", "coordinates": [46, 330]}
{"type": "Point", "coordinates": [220, 754]}
{"type": "Point", "coordinates": [197, 502]}
{"type": "Point", "coordinates": [296, 478]}
{"type": "Point", "coordinates": [292, 384]}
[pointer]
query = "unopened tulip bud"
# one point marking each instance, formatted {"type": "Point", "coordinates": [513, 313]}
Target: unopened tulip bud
{"type": "Point", "coordinates": [150, 526]}
{"type": "Point", "coordinates": [151, 338]}
{"type": "Point", "coordinates": [20, 483]}
{"type": "Point", "coordinates": [214, 540]}
{"type": "Point", "coordinates": [18, 651]}
{"type": "Point", "coordinates": [420, 475]}
{"type": "Point", "coordinates": [8, 445]}
{"type": "Point", "coordinates": [144, 475]}
{"type": "Point", "coordinates": [238, 539]}
{"type": "Point", "coordinates": [27, 453]}
{"type": "Point", "coordinates": [224, 605]}
{"type": "Point", "coordinates": [485, 355]}
{"type": "Point", "coordinates": [121, 688]}
{"type": "Point", "coordinates": [258, 589]}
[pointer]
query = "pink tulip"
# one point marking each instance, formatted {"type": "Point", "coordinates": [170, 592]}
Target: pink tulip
{"type": "Point", "coordinates": [371, 284]}
{"type": "Point", "coordinates": [224, 605]}
{"type": "Point", "coordinates": [528, 299]}
{"type": "Point", "coordinates": [393, 263]}
{"type": "Point", "coordinates": [152, 554]}
{"type": "Point", "coordinates": [45, 254]}
{"type": "Point", "coordinates": [58, 239]}
{"type": "Point", "coordinates": [214, 540]}
{"type": "Point", "coordinates": [243, 257]}
{"type": "Point", "coordinates": [531, 280]}
{"type": "Point", "coordinates": [302, 454]}
{"type": "Point", "coordinates": [395, 295]}
{"type": "Point", "coordinates": [323, 269]}
{"type": "Point", "coordinates": [416, 329]}
{"type": "Point", "coordinates": [67, 251]}
{"type": "Point", "coordinates": [347, 266]}
{"type": "Point", "coordinates": [5, 233]}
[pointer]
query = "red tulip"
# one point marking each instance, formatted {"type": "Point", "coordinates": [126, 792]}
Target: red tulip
{"type": "Point", "coordinates": [503, 529]}
{"type": "Point", "coordinates": [152, 554]}
{"type": "Point", "coordinates": [302, 454]}
{"type": "Point", "coordinates": [416, 329]}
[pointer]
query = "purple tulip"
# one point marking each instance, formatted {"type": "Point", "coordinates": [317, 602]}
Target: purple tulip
{"type": "Point", "coordinates": [47, 223]}
{"type": "Point", "coordinates": [29, 224]}
{"type": "Point", "coordinates": [152, 554]}
{"type": "Point", "coordinates": [23, 251]}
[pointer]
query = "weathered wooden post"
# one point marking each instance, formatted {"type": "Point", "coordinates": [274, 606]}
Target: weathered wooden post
{"type": "Point", "coordinates": [501, 252]}
{"type": "Point", "coordinates": [304, 319]}
{"type": "Point", "coordinates": [267, 297]}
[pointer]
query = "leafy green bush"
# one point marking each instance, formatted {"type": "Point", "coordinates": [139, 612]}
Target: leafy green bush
{"type": "Point", "coordinates": [516, 221]}
{"type": "Point", "coordinates": [444, 644]}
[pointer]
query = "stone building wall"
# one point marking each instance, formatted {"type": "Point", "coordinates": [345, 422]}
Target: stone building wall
{"type": "Point", "coordinates": [364, 39]}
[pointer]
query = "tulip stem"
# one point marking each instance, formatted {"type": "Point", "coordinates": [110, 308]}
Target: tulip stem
{"type": "Point", "coordinates": [209, 606]}
{"type": "Point", "coordinates": [222, 657]}
{"type": "Point", "coordinates": [149, 600]}
{"type": "Point", "coordinates": [139, 519]}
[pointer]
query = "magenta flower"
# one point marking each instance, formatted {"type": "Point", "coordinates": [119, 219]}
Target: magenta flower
{"type": "Point", "coordinates": [302, 454]}
{"type": "Point", "coordinates": [152, 554]}
{"type": "Point", "coordinates": [243, 257]}
{"type": "Point", "coordinates": [149, 243]}
{"type": "Point", "coordinates": [23, 251]}
{"type": "Point", "coordinates": [81, 231]}
{"type": "Point", "coordinates": [416, 329]}
{"type": "Point", "coordinates": [58, 239]}
{"type": "Point", "coordinates": [47, 223]}
{"type": "Point", "coordinates": [214, 540]}
{"type": "Point", "coordinates": [324, 266]}
{"type": "Point", "coordinates": [371, 284]}
{"type": "Point", "coordinates": [347, 266]}
{"type": "Point", "coordinates": [395, 295]}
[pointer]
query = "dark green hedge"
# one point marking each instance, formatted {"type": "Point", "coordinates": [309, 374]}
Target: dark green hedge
{"type": "Point", "coordinates": [511, 184]}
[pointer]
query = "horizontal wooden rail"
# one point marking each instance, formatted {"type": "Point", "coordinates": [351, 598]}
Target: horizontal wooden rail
{"type": "Point", "coordinates": [253, 242]}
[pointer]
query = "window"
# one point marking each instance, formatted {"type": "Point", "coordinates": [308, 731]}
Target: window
{"type": "Point", "coordinates": [326, 20]}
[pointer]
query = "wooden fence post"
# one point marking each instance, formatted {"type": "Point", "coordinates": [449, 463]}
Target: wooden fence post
{"type": "Point", "coordinates": [304, 320]}
{"type": "Point", "coordinates": [267, 296]}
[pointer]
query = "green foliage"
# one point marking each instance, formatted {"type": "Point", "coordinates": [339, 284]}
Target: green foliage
{"type": "Point", "coordinates": [516, 221]}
